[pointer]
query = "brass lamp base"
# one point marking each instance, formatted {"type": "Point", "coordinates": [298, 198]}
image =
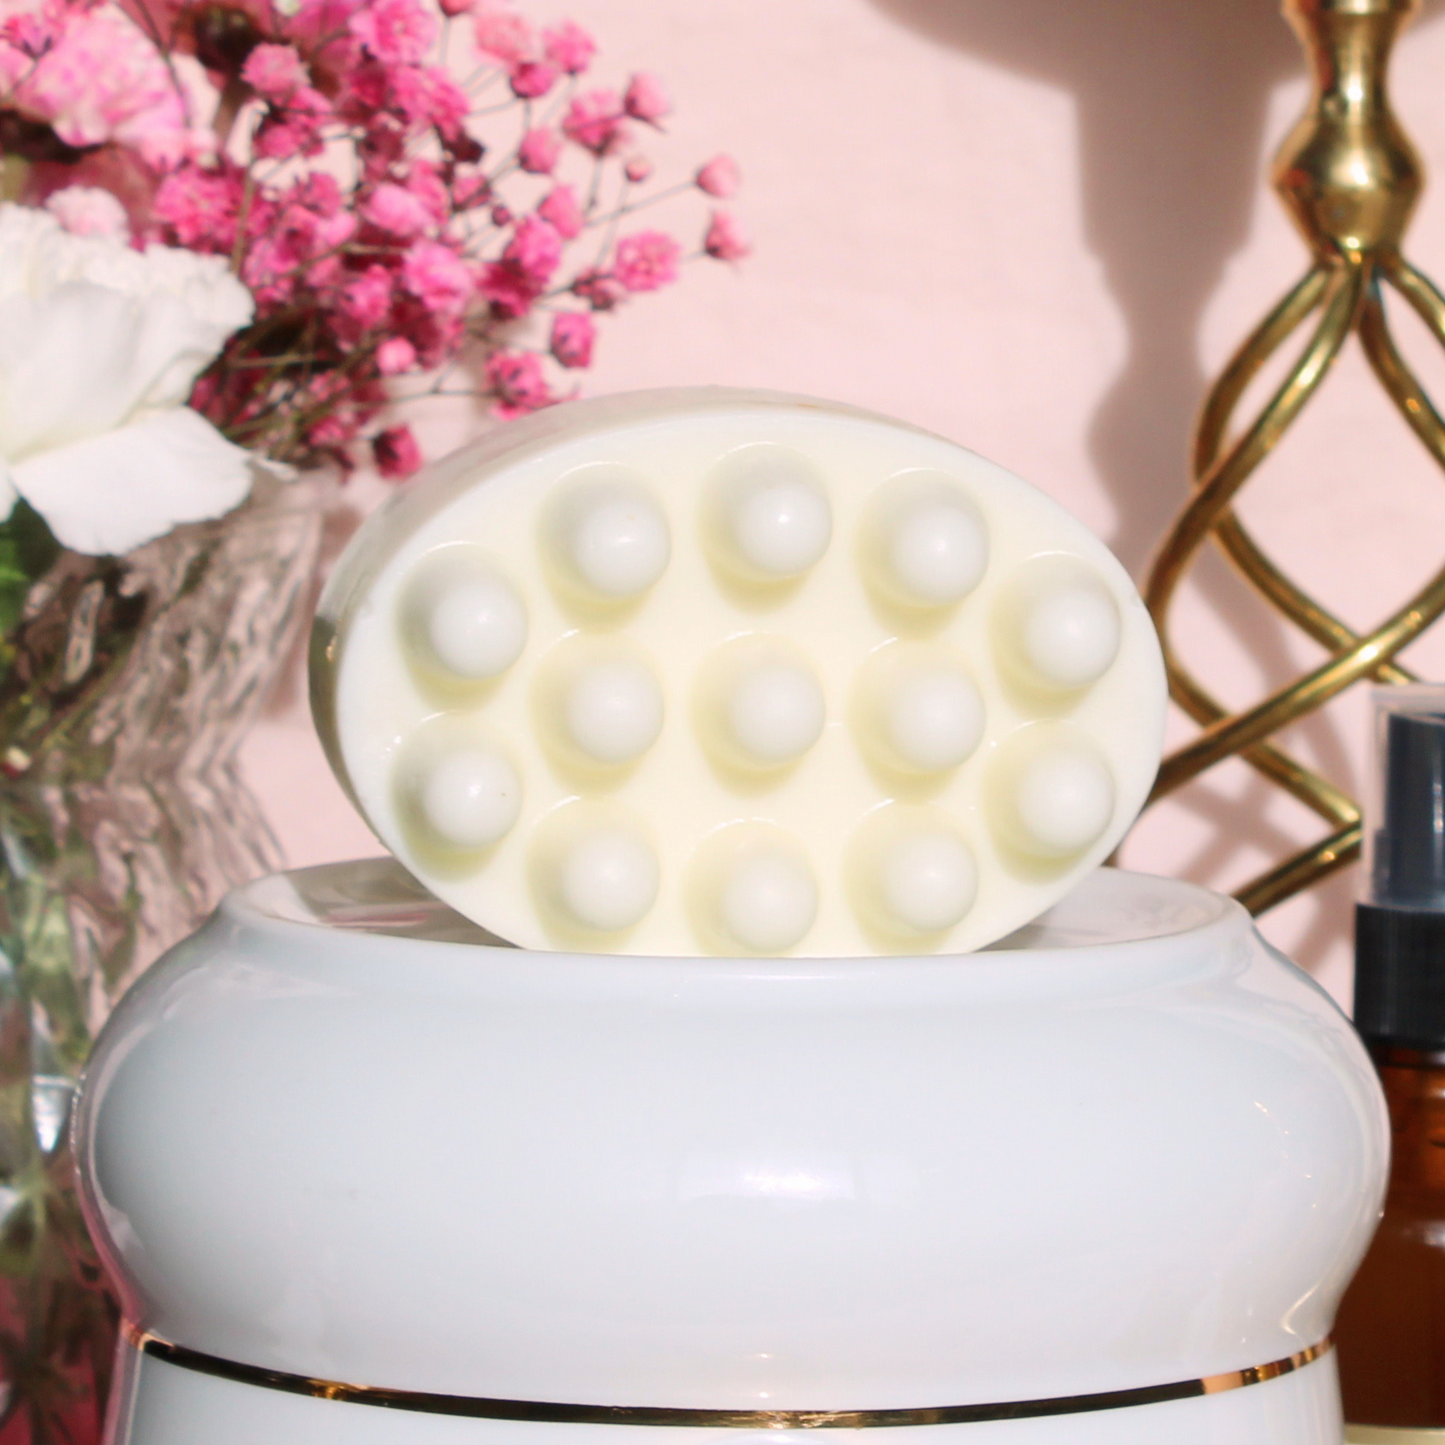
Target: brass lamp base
{"type": "Point", "coordinates": [1349, 178]}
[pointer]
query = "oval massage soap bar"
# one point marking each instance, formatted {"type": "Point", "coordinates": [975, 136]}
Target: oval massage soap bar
{"type": "Point", "coordinates": [736, 673]}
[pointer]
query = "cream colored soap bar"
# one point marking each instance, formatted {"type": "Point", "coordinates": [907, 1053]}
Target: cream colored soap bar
{"type": "Point", "coordinates": [736, 673]}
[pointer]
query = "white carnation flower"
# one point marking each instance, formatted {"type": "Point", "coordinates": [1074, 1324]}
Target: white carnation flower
{"type": "Point", "coordinates": [100, 345]}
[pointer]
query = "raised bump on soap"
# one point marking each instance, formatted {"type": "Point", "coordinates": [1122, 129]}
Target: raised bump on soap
{"type": "Point", "coordinates": [917, 709]}
{"type": "Point", "coordinates": [1059, 627]}
{"type": "Point", "coordinates": [753, 890]}
{"type": "Point", "coordinates": [768, 515]}
{"type": "Point", "coordinates": [597, 868]}
{"type": "Point", "coordinates": [610, 539]}
{"type": "Point", "coordinates": [775, 712]}
{"type": "Point", "coordinates": [910, 874]}
{"type": "Point", "coordinates": [468, 797]}
{"type": "Point", "coordinates": [761, 705]}
{"type": "Point", "coordinates": [460, 616]}
{"type": "Point", "coordinates": [612, 710]}
{"type": "Point", "coordinates": [926, 543]}
{"type": "Point", "coordinates": [769, 901]}
{"type": "Point", "coordinates": [935, 720]}
{"type": "Point", "coordinates": [1053, 790]}
{"type": "Point", "coordinates": [927, 879]}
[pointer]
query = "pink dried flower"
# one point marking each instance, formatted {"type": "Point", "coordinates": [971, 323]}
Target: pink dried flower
{"type": "Point", "coordinates": [362, 267]}
{"type": "Point", "coordinates": [503, 35]}
{"type": "Point", "coordinates": [395, 355]}
{"type": "Point", "coordinates": [516, 380]}
{"type": "Point", "coordinates": [322, 272]}
{"type": "Point", "coordinates": [319, 28]}
{"type": "Point", "coordinates": [424, 181]}
{"type": "Point", "coordinates": [719, 177]}
{"type": "Point", "coordinates": [396, 452]}
{"type": "Point", "coordinates": [35, 31]}
{"type": "Point", "coordinates": [319, 191]}
{"type": "Point", "coordinates": [89, 211]}
{"type": "Point", "coordinates": [646, 260]}
{"type": "Point", "coordinates": [539, 151]}
{"type": "Point", "coordinates": [573, 333]}
{"type": "Point", "coordinates": [279, 139]}
{"type": "Point", "coordinates": [397, 211]}
{"type": "Point", "coordinates": [435, 336]}
{"type": "Point", "coordinates": [510, 290]}
{"type": "Point", "coordinates": [437, 277]}
{"type": "Point", "coordinates": [559, 208]}
{"type": "Point", "coordinates": [427, 96]}
{"type": "Point", "coordinates": [725, 240]}
{"type": "Point", "coordinates": [601, 290]}
{"type": "Point", "coordinates": [536, 248]}
{"type": "Point", "coordinates": [470, 190]}
{"type": "Point", "coordinates": [366, 299]}
{"type": "Point", "coordinates": [333, 431]}
{"type": "Point", "coordinates": [382, 146]}
{"type": "Point", "coordinates": [569, 47]}
{"type": "Point", "coordinates": [365, 95]}
{"type": "Point", "coordinates": [274, 72]}
{"type": "Point", "coordinates": [519, 278]}
{"type": "Point", "coordinates": [201, 207]}
{"type": "Point", "coordinates": [594, 121]}
{"type": "Point", "coordinates": [100, 78]}
{"type": "Point", "coordinates": [463, 148]}
{"type": "Point", "coordinates": [306, 233]}
{"type": "Point", "coordinates": [397, 32]}
{"type": "Point", "coordinates": [294, 128]}
{"type": "Point", "coordinates": [532, 79]}
{"type": "Point", "coordinates": [646, 100]}
{"type": "Point", "coordinates": [270, 267]}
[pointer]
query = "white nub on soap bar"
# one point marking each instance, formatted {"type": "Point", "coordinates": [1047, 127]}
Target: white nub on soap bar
{"type": "Point", "coordinates": [736, 673]}
{"type": "Point", "coordinates": [469, 797]}
{"type": "Point", "coordinates": [609, 537]}
{"type": "Point", "coordinates": [462, 617]}
{"type": "Point", "coordinates": [769, 517]}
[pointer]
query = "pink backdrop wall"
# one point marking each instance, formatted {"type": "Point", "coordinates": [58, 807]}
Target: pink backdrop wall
{"type": "Point", "coordinates": [1034, 226]}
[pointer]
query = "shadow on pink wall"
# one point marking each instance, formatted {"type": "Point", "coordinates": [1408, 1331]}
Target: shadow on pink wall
{"type": "Point", "coordinates": [1172, 98]}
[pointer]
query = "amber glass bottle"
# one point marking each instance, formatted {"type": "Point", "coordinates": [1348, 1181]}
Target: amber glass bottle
{"type": "Point", "coordinates": [1390, 1333]}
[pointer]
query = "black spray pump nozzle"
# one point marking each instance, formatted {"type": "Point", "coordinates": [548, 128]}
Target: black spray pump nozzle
{"type": "Point", "coordinates": [1400, 924]}
{"type": "Point", "coordinates": [1408, 855]}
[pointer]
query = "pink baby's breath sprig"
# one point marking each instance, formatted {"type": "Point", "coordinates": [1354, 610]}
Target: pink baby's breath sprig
{"type": "Point", "coordinates": [646, 100]}
{"type": "Point", "coordinates": [725, 240]}
{"type": "Point", "coordinates": [434, 190]}
{"type": "Point", "coordinates": [573, 333]}
{"type": "Point", "coordinates": [647, 260]}
{"type": "Point", "coordinates": [719, 177]}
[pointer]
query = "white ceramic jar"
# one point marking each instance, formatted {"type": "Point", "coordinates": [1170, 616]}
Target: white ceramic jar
{"type": "Point", "coordinates": [368, 1179]}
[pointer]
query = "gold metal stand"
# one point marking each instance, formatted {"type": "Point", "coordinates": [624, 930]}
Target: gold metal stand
{"type": "Point", "coordinates": [1350, 178]}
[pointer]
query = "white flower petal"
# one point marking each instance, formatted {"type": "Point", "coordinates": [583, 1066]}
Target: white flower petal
{"type": "Point", "coordinates": [36, 255]}
{"type": "Point", "coordinates": [99, 347]}
{"type": "Point", "coordinates": [24, 234]}
{"type": "Point", "coordinates": [93, 332]}
{"type": "Point", "coordinates": [85, 358]}
{"type": "Point", "coordinates": [110, 493]}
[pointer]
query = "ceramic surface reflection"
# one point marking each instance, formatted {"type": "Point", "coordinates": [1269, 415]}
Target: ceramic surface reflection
{"type": "Point", "coordinates": [340, 1134]}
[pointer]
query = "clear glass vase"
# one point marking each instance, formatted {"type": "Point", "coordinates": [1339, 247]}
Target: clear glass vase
{"type": "Point", "coordinates": [128, 683]}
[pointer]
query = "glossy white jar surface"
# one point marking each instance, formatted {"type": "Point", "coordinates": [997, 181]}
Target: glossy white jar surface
{"type": "Point", "coordinates": [337, 1134]}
